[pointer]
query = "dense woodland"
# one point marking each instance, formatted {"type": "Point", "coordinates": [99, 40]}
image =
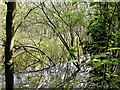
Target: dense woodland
{"type": "Point", "coordinates": [60, 45]}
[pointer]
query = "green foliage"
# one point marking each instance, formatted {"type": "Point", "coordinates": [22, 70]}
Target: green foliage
{"type": "Point", "coordinates": [73, 50]}
{"type": "Point", "coordinates": [104, 48]}
{"type": "Point", "coordinates": [95, 48]}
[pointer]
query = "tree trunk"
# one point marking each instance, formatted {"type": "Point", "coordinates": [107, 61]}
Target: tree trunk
{"type": "Point", "coordinates": [9, 67]}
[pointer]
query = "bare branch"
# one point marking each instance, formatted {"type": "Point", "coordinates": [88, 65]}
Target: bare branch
{"type": "Point", "coordinates": [24, 18]}
{"type": "Point", "coordinates": [37, 49]}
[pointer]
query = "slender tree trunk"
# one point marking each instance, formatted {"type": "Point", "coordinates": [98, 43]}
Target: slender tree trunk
{"type": "Point", "coordinates": [9, 67]}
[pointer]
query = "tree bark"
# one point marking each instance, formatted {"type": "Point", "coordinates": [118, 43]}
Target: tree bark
{"type": "Point", "coordinates": [9, 65]}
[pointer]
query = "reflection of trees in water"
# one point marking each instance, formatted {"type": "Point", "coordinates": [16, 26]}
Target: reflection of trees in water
{"type": "Point", "coordinates": [59, 76]}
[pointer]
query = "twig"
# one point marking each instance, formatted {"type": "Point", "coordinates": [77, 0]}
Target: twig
{"type": "Point", "coordinates": [24, 18]}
